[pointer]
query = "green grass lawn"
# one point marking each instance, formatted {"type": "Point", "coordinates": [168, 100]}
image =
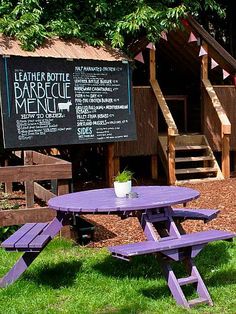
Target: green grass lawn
{"type": "Point", "coordinates": [71, 279]}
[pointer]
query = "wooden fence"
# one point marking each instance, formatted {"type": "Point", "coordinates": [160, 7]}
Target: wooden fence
{"type": "Point", "coordinates": [37, 167]}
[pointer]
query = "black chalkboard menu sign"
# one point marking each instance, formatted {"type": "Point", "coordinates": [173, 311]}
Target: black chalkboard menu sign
{"type": "Point", "coordinates": [49, 102]}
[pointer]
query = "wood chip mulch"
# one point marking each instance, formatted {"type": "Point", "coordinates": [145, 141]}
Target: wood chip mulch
{"type": "Point", "coordinates": [112, 230]}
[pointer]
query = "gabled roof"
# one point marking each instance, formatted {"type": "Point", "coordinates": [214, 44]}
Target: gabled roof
{"type": "Point", "coordinates": [58, 48]}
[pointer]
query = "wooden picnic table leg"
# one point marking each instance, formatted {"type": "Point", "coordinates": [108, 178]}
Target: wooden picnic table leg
{"type": "Point", "coordinates": [201, 287]}
{"type": "Point", "coordinates": [20, 266]}
{"type": "Point", "coordinates": [171, 279]}
{"type": "Point", "coordinates": [174, 283]}
{"type": "Point", "coordinates": [147, 222]}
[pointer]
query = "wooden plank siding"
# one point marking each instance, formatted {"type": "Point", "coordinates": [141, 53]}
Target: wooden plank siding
{"type": "Point", "coordinates": [145, 106]}
{"type": "Point", "coordinates": [227, 97]}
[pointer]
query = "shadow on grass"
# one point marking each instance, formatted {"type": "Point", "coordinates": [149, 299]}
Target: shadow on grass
{"type": "Point", "coordinates": [156, 293]}
{"type": "Point", "coordinates": [131, 309]}
{"type": "Point", "coordinates": [222, 278]}
{"type": "Point", "coordinates": [214, 255]}
{"type": "Point", "coordinates": [211, 261]}
{"type": "Point", "coordinates": [62, 274]}
{"type": "Point", "coordinates": [140, 267]}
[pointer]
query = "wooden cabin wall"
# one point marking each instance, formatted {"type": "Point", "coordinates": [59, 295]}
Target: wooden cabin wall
{"type": "Point", "coordinates": [145, 107]}
{"type": "Point", "coordinates": [227, 97]}
{"type": "Point", "coordinates": [211, 123]}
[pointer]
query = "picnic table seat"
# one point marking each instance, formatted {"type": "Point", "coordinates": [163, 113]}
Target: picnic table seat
{"type": "Point", "coordinates": [28, 238]}
{"type": "Point", "coordinates": [181, 248]}
{"type": "Point", "coordinates": [195, 239]}
{"type": "Point", "coordinates": [195, 214]}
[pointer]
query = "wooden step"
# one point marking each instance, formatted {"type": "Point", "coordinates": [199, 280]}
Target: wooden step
{"type": "Point", "coordinates": [187, 280]}
{"type": "Point", "coordinates": [187, 181]}
{"type": "Point", "coordinates": [197, 301]}
{"type": "Point", "coordinates": [196, 170]}
{"type": "Point", "coordinates": [190, 147]}
{"type": "Point", "coordinates": [198, 158]}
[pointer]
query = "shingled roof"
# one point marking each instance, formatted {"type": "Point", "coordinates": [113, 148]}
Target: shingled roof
{"type": "Point", "coordinates": [58, 48]}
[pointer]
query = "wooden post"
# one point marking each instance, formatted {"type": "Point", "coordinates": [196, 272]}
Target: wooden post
{"type": "Point", "coordinates": [152, 69]}
{"type": "Point", "coordinates": [225, 155]}
{"type": "Point", "coordinates": [113, 164]}
{"type": "Point", "coordinates": [8, 185]}
{"type": "Point", "coordinates": [29, 185]}
{"type": "Point", "coordinates": [204, 75]}
{"type": "Point", "coordinates": [63, 187]}
{"type": "Point", "coordinates": [152, 64]}
{"type": "Point", "coordinates": [204, 67]}
{"type": "Point", "coordinates": [171, 159]}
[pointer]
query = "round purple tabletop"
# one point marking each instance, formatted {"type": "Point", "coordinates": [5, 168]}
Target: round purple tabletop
{"type": "Point", "coordinates": [104, 200]}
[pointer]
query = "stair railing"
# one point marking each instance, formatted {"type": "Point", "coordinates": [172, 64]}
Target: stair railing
{"type": "Point", "coordinates": [172, 130]}
{"type": "Point", "coordinates": [225, 126]}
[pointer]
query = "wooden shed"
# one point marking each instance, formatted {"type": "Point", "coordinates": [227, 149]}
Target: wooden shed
{"type": "Point", "coordinates": [185, 106]}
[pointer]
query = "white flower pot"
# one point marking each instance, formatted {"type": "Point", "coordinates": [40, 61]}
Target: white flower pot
{"type": "Point", "coordinates": [122, 188]}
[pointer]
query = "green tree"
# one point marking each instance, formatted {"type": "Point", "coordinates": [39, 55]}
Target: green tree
{"type": "Point", "coordinates": [118, 23]}
{"type": "Point", "coordinates": [222, 29]}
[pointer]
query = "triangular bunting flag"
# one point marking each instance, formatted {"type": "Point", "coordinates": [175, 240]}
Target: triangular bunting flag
{"type": "Point", "coordinates": [151, 46]}
{"type": "Point", "coordinates": [192, 38]}
{"type": "Point", "coordinates": [225, 74]}
{"type": "Point", "coordinates": [213, 63]}
{"type": "Point", "coordinates": [163, 35]}
{"type": "Point", "coordinates": [139, 57]}
{"type": "Point", "coordinates": [202, 52]}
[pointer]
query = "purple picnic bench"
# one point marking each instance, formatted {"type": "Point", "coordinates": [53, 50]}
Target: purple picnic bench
{"type": "Point", "coordinates": [161, 224]}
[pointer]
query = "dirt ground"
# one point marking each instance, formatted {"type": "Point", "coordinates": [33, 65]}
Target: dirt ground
{"type": "Point", "coordinates": [111, 230]}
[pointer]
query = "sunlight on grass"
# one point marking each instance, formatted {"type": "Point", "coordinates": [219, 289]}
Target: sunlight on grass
{"type": "Point", "coordinates": [71, 279]}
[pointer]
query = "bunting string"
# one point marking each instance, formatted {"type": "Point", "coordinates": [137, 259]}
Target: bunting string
{"type": "Point", "coordinates": [192, 38]}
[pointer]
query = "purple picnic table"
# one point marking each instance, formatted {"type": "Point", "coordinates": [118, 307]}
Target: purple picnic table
{"type": "Point", "coordinates": [161, 223]}
{"type": "Point", "coordinates": [105, 201]}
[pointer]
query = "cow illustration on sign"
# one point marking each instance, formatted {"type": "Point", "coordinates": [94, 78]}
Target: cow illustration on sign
{"type": "Point", "coordinates": [64, 106]}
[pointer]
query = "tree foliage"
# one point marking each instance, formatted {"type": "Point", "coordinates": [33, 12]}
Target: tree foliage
{"type": "Point", "coordinates": [95, 21]}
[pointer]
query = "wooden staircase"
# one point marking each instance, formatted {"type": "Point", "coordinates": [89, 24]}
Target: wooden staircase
{"type": "Point", "coordinates": [194, 159]}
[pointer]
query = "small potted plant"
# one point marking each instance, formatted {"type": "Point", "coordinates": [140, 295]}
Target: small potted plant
{"type": "Point", "coordinates": [123, 183]}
